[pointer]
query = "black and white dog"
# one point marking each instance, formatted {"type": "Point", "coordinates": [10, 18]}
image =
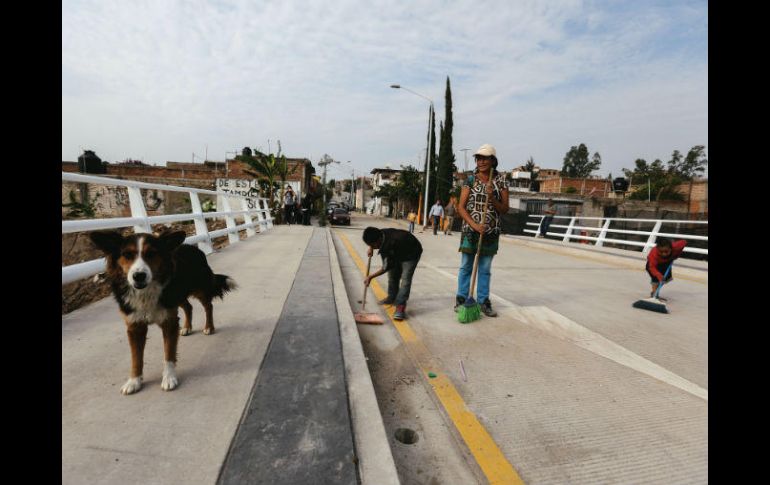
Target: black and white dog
{"type": "Point", "coordinates": [151, 276]}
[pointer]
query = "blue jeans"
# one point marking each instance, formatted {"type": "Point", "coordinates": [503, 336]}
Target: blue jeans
{"type": "Point", "coordinates": [400, 281]}
{"type": "Point", "coordinates": [483, 276]}
{"type": "Point", "coordinates": [411, 226]}
{"type": "Point", "coordinates": [544, 225]}
{"type": "Point", "coordinates": [436, 223]}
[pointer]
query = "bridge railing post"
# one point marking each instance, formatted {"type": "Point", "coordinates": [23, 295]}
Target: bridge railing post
{"type": "Point", "coordinates": [137, 209]}
{"type": "Point", "coordinates": [200, 224]}
{"type": "Point", "coordinates": [569, 229]}
{"type": "Point", "coordinates": [266, 212]}
{"type": "Point", "coordinates": [603, 233]}
{"type": "Point", "coordinates": [230, 221]}
{"type": "Point", "coordinates": [651, 240]}
{"type": "Point", "coordinates": [245, 203]}
{"type": "Point", "coordinates": [261, 216]}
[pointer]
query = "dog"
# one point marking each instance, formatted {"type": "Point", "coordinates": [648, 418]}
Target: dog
{"type": "Point", "coordinates": [151, 276]}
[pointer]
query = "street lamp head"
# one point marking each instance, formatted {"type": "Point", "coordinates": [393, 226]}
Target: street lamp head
{"type": "Point", "coordinates": [395, 86]}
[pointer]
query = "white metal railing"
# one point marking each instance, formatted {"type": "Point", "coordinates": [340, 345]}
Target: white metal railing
{"type": "Point", "coordinates": [142, 223]}
{"type": "Point", "coordinates": [604, 227]}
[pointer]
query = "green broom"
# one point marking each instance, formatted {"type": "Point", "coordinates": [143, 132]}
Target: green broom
{"type": "Point", "coordinates": [470, 311]}
{"type": "Point", "coordinates": [653, 304]}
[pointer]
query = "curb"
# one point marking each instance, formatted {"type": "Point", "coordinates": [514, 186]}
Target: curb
{"type": "Point", "coordinates": [375, 459]}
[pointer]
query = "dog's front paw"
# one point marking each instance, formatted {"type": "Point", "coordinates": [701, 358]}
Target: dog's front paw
{"type": "Point", "coordinates": [170, 380]}
{"type": "Point", "coordinates": [185, 331]}
{"type": "Point", "coordinates": [208, 331]}
{"type": "Point", "coordinates": [131, 386]}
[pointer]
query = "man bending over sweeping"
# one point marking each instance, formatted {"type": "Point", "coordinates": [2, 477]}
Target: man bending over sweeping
{"type": "Point", "coordinates": [400, 253]}
{"type": "Point", "coordinates": [659, 259]}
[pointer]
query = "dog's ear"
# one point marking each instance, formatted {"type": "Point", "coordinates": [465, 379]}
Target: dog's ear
{"type": "Point", "coordinates": [172, 239]}
{"type": "Point", "coordinates": [108, 241]}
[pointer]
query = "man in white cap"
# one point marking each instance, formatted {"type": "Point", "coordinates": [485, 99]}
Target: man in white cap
{"type": "Point", "coordinates": [486, 187]}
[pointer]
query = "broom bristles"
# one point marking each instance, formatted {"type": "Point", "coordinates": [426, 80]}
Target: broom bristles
{"type": "Point", "coordinates": [370, 318]}
{"type": "Point", "coordinates": [470, 311]}
{"type": "Point", "coordinates": [652, 304]}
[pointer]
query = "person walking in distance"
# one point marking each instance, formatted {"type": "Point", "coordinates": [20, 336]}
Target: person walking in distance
{"type": "Point", "coordinates": [288, 206]}
{"type": "Point", "coordinates": [436, 213]}
{"type": "Point", "coordinates": [449, 210]}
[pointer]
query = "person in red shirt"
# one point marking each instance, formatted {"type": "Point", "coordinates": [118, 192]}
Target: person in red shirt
{"type": "Point", "coordinates": [660, 258]}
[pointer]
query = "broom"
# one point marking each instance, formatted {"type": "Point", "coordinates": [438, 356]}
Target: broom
{"type": "Point", "coordinates": [362, 317]}
{"type": "Point", "coordinates": [653, 304]}
{"type": "Point", "coordinates": [470, 311]}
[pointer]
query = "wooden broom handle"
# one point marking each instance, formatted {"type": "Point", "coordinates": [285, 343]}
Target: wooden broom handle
{"type": "Point", "coordinates": [481, 236]}
{"type": "Point", "coordinates": [363, 302]}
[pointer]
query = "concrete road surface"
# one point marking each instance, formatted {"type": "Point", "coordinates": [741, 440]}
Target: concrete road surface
{"type": "Point", "coordinates": [570, 382]}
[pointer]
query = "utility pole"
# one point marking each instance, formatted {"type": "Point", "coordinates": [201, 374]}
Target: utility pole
{"type": "Point", "coordinates": [326, 160]}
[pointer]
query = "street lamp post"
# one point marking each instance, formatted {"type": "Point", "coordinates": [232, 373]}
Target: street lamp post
{"type": "Point", "coordinates": [465, 164]}
{"type": "Point", "coordinates": [427, 149]}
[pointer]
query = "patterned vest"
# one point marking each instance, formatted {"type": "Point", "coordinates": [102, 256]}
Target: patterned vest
{"type": "Point", "coordinates": [475, 206]}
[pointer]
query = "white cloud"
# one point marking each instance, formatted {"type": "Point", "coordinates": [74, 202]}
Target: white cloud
{"type": "Point", "coordinates": [163, 79]}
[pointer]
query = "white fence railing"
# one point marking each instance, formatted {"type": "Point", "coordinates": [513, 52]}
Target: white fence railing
{"type": "Point", "coordinates": [603, 228]}
{"type": "Point", "coordinates": [142, 223]}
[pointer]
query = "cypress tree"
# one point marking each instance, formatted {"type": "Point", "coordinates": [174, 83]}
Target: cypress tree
{"type": "Point", "coordinates": [446, 158]}
{"type": "Point", "coordinates": [433, 168]}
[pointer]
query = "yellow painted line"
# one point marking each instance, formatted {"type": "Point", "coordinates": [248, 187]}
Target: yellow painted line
{"type": "Point", "coordinates": [487, 454]}
{"type": "Point", "coordinates": [596, 259]}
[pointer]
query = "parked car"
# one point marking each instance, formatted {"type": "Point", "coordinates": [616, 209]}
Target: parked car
{"type": "Point", "coordinates": [339, 216]}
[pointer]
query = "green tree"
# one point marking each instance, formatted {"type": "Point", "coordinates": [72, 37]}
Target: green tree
{"type": "Point", "coordinates": [577, 163]}
{"type": "Point", "coordinates": [407, 187]}
{"type": "Point", "coordinates": [282, 170]}
{"type": "Point", "coordinates": [433, 161]}
{"type": "Point", "coordinates": [654, 181]}
{"type": "Point", "coordinates": [446, 158]}
{"type": "Point", "coordinates": [263, 166]}
{"type": "Point", "coordinates": [529, 166]}
{"type": "Point", "coordinates": [693, 163]}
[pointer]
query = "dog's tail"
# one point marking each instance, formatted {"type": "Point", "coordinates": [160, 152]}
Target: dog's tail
{"type": "Point", "coordinates": [223, 284]}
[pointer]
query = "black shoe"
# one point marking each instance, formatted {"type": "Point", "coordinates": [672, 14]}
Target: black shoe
{"type": "Point", "coordinates": [386, 301]}
{"type": "Point", "coordinates": [486, 309]}
{"type": "Point", "coordinates": [400, 312]}
{"type": "Point", "coordinates": [459, 300]}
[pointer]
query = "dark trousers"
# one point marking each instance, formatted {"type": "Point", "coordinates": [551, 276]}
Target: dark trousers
{"type": "Point", "coordinates": [400, 281]}
{"type": "Point", "coordinates": [288, 214]}
{"type": "Point", "coordinates": [544, 225]}
{"type": "Point", "coordinates": [436, 223]}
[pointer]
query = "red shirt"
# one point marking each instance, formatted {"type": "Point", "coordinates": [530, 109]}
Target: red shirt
{"type": "Point", "coordinates": [654, 259]}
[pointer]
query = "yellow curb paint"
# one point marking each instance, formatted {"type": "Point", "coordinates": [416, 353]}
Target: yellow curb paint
{"type": "Point", "coordinates": [485, 451]}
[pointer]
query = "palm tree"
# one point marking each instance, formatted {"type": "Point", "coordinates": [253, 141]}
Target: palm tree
{"type": "Point", "coordinates": [262, 167]}
{"type": "Point", "coordinates": [282, 169]}
{"type": "Point", "coordinates": [530, 167]}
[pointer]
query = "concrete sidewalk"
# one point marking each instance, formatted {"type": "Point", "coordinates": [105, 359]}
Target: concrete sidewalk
{"type": "Point", "coordinates": [573, 384]}
{"type": "Point", "coordinates": [183, 436]}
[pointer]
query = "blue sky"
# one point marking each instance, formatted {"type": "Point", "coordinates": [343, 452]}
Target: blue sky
{"type": "Point", "coordinates": [161, 80]}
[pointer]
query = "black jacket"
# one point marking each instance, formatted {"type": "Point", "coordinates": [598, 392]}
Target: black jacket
{"type": "Point", "coordinates": [398, 246]}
